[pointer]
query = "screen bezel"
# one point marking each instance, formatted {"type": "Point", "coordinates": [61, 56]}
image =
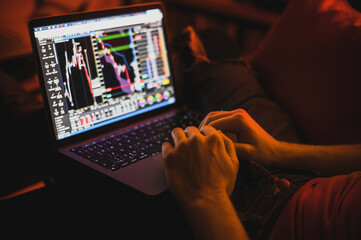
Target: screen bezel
{"type": "Point", "coordinates": [89, 15]}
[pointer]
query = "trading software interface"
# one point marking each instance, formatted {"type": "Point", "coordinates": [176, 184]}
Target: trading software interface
{"type": "Point", "coordinates": [102, 70]}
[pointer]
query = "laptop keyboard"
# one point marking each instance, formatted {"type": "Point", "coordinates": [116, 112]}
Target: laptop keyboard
{"type": "Point", "coordinates": [122, 149]}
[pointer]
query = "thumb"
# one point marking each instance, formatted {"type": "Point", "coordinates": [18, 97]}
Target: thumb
{"type": "Point", "coordinates": [244, 151]}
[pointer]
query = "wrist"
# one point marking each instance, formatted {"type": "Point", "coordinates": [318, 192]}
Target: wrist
{"type": "Point", "coordinates": [204, 201]}
{"type": "Point", "coordinates": [281, 154]}
{"type": "Point", "coordinates": [292, 155]}
{"type": "Point", "coordinates": [214, 217]}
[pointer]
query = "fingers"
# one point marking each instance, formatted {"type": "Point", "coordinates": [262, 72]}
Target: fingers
{"type": "Point", "coordinates": [166, 148]}
{"type": "Point", "coordinates": [231, 123]}
{"type": "Point", "coordinates": [237, 122]}
{"type": "Point", "coordinates": [225, 142]}
{"type": "Point", "coordinates": [213, 116]}
{"type": "Point", "coordinates": [211, 132]}
{"type": "Point", "coordinates": [178, 135]}
{"type": "Point", "coordinates": [208, 130]}
{"type": "Point", "coordinates": [229, 146]}
{"type": "Point", "coordinates": [192, 131]}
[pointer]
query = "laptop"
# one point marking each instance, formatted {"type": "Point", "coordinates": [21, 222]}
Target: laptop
{"type": "Point", "coordinates": [109, 92]}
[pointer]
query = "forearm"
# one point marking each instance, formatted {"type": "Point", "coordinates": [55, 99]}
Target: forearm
{"type": "Point", "coordinates": [322, 160]}
{"type": "Point", "coordinates": [215, 218]}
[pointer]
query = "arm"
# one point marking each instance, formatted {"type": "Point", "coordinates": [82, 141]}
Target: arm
{"type": "Point", "coordinates": [201, 170]}
{"type": "Point", "coordinates": [215, 218]}
{"type": "Point", "coordinates": [252, 143]}
{"type": "Point", "coordinates": [323, 160]}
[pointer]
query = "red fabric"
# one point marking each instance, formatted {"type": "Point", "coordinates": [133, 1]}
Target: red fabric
{"type": "Point", "coordinates": [310, 62]}
{"type": "Point", "coordinates": [324, 208]}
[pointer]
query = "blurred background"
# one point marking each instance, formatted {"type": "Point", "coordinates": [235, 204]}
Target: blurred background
{"type": "Point", "coordinates": [236, 17]}
{"type": "Point", "coordinates": [245, 20]}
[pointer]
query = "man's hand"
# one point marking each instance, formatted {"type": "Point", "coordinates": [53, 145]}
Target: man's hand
{"type": "Point", "coordinates": [201, 171]}
{"type": "Point", "coordinates": [201, 165]}
{"type": "Point", "coordinates": [252, 143]}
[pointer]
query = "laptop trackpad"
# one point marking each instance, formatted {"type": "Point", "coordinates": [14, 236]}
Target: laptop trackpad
{"type": "Point", "coordinates": [147, 175]}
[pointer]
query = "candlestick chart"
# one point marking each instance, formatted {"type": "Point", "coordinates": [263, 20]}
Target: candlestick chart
{"type": "Point", "coordinates": [77, 67]}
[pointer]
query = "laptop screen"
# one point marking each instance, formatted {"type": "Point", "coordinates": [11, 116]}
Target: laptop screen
{"type": "Point", "coordinates": [102, 70]}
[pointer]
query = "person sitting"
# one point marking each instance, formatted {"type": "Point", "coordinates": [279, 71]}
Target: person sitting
{"type": "Point", "coordinates": [202, 167]}
{"type": "Point", "coordinates": [244, 172]}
